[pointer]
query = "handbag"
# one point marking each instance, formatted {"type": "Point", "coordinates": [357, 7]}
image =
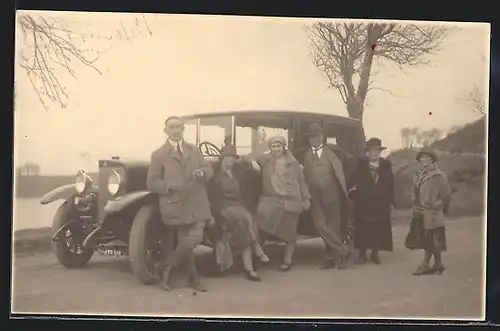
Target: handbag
{"type": "Point", "coordinates": [416, 236]}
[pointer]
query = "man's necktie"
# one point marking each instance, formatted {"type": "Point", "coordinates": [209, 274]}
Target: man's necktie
{"type": "Point", "coordinates": [316, 152]}
{"type": "Point", "coordinates": [179, 150]}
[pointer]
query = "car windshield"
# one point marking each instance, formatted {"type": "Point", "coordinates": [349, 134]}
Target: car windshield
{"type": "Point", "coordinates": [249, 135]}
{"type": "Point", "coordinates": [214, 132]}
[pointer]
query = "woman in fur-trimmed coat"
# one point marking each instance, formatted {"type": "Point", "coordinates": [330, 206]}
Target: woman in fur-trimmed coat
{"type": "Point", "coordinates": [431, 200]}
{"type": "Point", "coordinates": [285, 195]}
{"type": "Point", "coordinates": [373, 182]}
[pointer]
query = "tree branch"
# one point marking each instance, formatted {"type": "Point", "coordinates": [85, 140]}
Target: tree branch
{"type": "Point", "coordinates": [343, 51]}
{"type": "Point", "coordinates": [49, 44]}
{"type": "Point", "coordinates": [474, 101]}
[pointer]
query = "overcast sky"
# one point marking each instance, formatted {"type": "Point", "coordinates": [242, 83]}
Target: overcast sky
{"type": "Point", "coordinates": [197, 64]}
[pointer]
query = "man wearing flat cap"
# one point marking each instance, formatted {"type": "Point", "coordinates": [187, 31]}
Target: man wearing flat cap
{"type": "Point", "coordinates": [329, 210]}
{"type": "Point", "coordinates": [178, 174]}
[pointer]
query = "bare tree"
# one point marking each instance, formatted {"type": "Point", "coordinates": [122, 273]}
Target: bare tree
{"type": "Point", "coordinates": [35, 169]}
{"type": "Point", "coordinates": [346, 51]}
{"type": "Point", "coordinates": [405, 137]}
{"type": "Point", "coordinates": [425, 138]}
{"type": "Point", "coordinates": [474, 101]}
{"type": "Point", "coordinates": [29, 169]}
{"type": "Point", "coordinates": [51, 43]}
{"type": "Point", "coordinates": [434, 135]}
{"type": "Point", "coordinates": [415, 137]}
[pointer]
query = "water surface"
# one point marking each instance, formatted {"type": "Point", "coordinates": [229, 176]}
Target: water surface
{"type": "Point", "coordinates": [29, 213]}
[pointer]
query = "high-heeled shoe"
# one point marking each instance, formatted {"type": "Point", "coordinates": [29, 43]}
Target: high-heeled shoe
{"type": "Point", "coordinates": [423, 271]}
{"type": "Point", "coordinates": [252, 276]}
{"type": "Point", "coordinates": [284, 267]}
{"type": "Point", "coordinates": [264, 259]}
{"type": "Point", "coordinates": [438, 269]}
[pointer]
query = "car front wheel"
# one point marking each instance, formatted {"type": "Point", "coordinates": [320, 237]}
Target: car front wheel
{"type": "Point", "coordinates": [145, 247]}
{"type": "Point", "coordinates": [68, 246]}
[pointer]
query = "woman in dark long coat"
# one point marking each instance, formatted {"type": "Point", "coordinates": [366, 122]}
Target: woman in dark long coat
{"type": "Point", "coordinates": [372, 183]}
{"type": "Point", "coordinates": [431, 200]}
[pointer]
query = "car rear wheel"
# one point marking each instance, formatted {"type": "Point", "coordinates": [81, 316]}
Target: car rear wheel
{"type": "Point", "coordinates": [68, 248]}
{"type": "Point", "coordinates": [145, 246]}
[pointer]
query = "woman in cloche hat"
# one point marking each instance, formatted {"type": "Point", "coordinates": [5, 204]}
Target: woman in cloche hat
{"type": "Point", "coordinates": [284, 197]}
{"type": "Point", "coordinates": [231, 207]}
{"type": "Point", "coordinates": [431, 199]}
{"type": "Point", "coordinates": [373, 186]}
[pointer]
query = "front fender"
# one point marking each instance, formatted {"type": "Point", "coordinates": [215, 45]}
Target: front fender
{"type": "Point", "coordinates": [124, 201]}
{"type": "Point", "coordinates": [64, 192]}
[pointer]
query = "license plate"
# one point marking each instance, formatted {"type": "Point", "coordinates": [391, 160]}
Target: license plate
{"type": "Point", "coordinates": [110, 252]}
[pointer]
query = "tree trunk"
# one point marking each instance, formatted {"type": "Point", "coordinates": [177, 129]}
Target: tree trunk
{"type": "Point", "coordinates": [355, 110]}
{"type": "Point", "coordinates": [355, 103]}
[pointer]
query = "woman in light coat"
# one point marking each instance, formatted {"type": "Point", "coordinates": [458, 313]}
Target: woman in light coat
{"type": "Point", "coordinates": [284, 197]}
{"type": "Point", "coordinates": [431, 199]}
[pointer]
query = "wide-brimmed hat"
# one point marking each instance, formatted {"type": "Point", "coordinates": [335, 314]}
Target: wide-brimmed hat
{"type": "Point", "coordinates": [314, 129]}
{"type": "Point", "coordinates": [374, 143]}
{"type": "Point", "coordinates": [228, 150]}
{"type": "Point", "coordinates": [427, 151]}
{"type": "Point", "coordinates": [276, 138]}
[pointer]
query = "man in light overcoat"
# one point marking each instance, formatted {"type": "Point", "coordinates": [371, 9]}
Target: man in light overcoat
{"type": "Point", "coordinates": [178, 174]}
{"type": "Point", "coordinates": [329, 210]}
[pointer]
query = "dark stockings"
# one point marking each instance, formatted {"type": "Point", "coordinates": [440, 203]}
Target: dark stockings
{"type": "Point", "coordinates": [438, 261]}
{"type": "Point", "coordinates": [427, 260]}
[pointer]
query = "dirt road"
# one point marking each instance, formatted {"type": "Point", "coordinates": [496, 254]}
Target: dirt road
{"type": "Point", "coordinates": [106, 286]}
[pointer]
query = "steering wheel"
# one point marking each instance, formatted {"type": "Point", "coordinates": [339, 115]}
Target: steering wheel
{"type": "Point", "coordinates": [209, 149]}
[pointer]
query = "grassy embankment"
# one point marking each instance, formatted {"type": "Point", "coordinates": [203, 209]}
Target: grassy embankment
{"type": "Point", "coordinates": [461, 158]}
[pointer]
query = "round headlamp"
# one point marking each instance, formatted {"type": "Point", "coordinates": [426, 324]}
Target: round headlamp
{"type": "Point", "coordinates": [114, 182]}
{"type": "Point", "coordinates": [82, 182]}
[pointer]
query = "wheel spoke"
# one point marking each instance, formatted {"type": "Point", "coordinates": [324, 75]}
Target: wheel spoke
{"type": "Point", "coordinates": [73, 242]}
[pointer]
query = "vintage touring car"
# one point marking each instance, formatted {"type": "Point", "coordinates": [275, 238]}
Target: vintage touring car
{"type": "Point", "coordinates": [118, 215]}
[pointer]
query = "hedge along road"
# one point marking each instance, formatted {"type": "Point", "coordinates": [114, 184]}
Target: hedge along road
{"type": "Point", "coordinates": [106, 285]}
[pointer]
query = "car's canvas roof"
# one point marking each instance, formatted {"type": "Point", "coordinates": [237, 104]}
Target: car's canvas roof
{"type": "Point", "coordinates": [320, 116]}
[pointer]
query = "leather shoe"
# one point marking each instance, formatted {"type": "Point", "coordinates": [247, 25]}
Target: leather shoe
{"type": "Point", "coordinates": [375, 258]}
{"type": "Point", "coordinates": [197, 285]}
{"type": "Point", "coordinates": [252, 276]}
{"type": "Point", "coordinates": [361, 259]}
{"type": "Point", "coordinates": [342, 261]}
{"type": "Point", "coordinates": [327, 264]}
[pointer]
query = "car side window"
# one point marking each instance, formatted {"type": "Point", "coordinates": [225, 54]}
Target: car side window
{"type": "Point", "coordinates": [252, 132]}
{"type": "Point", "coordinates": [341, 136]}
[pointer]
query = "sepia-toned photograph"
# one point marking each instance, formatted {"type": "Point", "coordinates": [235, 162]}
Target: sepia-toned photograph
{"type": "Point", "coordinates": [244, 167]}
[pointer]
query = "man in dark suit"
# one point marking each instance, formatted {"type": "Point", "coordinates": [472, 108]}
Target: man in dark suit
{"type": "Point", "coordinates": [329, 210]}
{"type": "Point", "coordinates": [178, 174]}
